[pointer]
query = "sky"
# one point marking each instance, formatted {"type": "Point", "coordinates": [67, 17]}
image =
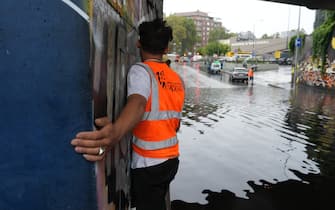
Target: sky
{"type": "Point", "coordinates": [257, 16]}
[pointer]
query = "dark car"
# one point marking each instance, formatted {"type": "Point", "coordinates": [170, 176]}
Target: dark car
{"type": "Point", "coordinates": [239, 74]}
{"type": "Point", "coordinates": [285, 61]}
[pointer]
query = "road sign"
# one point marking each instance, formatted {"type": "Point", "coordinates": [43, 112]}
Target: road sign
{"type": "Point", "coordinates": [298, 42]}
{"type": "Point", "coordinates": [253, 53]}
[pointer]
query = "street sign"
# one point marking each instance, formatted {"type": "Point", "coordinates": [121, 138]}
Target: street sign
{"type": "Point", "coordinates": [253, 53]}
{"type": "Point", "coordinates": [298, 42]}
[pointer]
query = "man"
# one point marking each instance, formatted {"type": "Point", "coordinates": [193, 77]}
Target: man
{"type": "Point", "coordinates": [251, 75]}
{"type": "Point", "coordinates": [153, 112]}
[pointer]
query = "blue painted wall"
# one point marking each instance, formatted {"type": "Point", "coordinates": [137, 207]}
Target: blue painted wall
{"type": "Point", "coordinates": [45, 99]}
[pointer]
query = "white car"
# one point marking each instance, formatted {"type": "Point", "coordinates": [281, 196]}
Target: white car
{"type": "Point", "coordinates": [239, 74]}
{"type": "Point", "coordinates": [230, 59]}
{"type": "Point", "coordinates": [215, 68]}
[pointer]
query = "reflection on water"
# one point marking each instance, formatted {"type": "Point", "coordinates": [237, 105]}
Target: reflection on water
{"type": "Point", "coordinates": [312, 116]}
{"type": "Point", "coordinates": [288, 195]}
{"type": "Point", "coordinates": [256, 147]}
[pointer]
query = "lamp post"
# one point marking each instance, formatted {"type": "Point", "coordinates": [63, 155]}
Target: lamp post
{"type": "Point", "coordinates": [253, 43]}
{"type": "Point", "coordinates": [288, 26]}
{"type": "Point", "coordinates": [254, 40]}
{"type": "Point", "coordinates": [296, 49]}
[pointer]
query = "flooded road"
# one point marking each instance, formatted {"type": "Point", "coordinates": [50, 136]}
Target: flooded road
{"type": "Point", "coordinates": [261, 146]}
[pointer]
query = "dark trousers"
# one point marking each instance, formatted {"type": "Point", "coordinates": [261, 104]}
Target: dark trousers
{"type": "Point", "coordinates": [150, 185]}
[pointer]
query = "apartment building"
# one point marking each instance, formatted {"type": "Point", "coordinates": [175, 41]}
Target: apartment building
{"type": "Point", "coordinates": [204, 24]}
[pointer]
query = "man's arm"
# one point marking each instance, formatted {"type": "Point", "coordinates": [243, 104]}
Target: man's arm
{"type": "Point", "coordinates": [89, 142]}
{"type": "Point", "coordinates": [131, 114]}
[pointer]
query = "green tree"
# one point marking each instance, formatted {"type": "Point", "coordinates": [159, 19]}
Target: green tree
{"type": "Point", "coordinates": [320, 17]}
{"type": "Point", "coordinates": [184, 33]}
{"type": "Point", "coordinates": [218, 33]}
{"type": "Point", "coordinates": [217, 48]}
{"type": "Point", "coordinates": [179, 32]}
{"type": "Point", "coordinates": [191, 35]}
{"type": "Point", "coordinates": [291, 44]}
{"type": "Point", "coordinates": [322, 38]}
{"type": "Point", "coordinates": [202, 51]}
{"type": "Point", "coordinates": [266, 36]}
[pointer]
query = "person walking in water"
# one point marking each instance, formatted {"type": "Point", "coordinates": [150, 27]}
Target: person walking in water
{"type": "Point", "coordinates": [152, 113]}
{"type": "Point", "coordinates": [251, 75]}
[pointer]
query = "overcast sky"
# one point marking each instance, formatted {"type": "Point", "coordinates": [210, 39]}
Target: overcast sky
{"type": "Point", "coordinates": [248, 15]}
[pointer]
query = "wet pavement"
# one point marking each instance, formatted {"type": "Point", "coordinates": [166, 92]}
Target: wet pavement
{"type": "Point", "coordinates": [261, 146]}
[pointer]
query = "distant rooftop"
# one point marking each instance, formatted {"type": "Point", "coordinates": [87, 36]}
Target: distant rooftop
{"type": "Point", "coordinates": [260, 46]}
{"type": "Point", "coordinates": [195, 13]}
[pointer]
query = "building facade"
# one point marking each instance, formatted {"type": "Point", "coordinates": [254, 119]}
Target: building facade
{"type": "Point", "coordinates": [204, 24]}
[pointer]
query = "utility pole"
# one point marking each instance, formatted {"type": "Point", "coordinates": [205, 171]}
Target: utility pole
{"type": "Point", "coordinates": [288, 27]}
{"type": "Point", "coordinates": [296, 48]}
{"type": "Point", "coordinates": [253, 47]}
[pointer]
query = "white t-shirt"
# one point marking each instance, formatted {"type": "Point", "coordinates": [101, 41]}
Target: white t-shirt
{"type": "Point", "coordinates": [138, 82]}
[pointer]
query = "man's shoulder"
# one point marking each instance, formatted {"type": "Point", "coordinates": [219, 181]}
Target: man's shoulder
{"type": "Point", "coordinates": [137, 67]}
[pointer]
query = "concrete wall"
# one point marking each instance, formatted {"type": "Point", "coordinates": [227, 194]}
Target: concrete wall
{"type": "Point", "coordinates": [52, 53]}
{"type": "Point", "coordinates": [45, 99]}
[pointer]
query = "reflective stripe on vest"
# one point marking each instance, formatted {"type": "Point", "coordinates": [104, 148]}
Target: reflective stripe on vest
{"type": "Point", "coordinates": [155, 114]}
{"type": "Point", "coordinates": [152, 145]}
{"type": "Point", "coordinates": [163, 115]}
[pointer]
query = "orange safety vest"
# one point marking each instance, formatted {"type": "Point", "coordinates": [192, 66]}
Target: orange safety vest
{"type": "Point", "coordinates": [250, 73]}
{"type": "Point", "coordinates": [155, 136]}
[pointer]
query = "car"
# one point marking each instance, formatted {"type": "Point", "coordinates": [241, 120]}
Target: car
{"type": "Point", "coordinates": [272, 60]}
{"type": "Point", "coordinates": [215, 68]}
{"type": "Point", "coordinates": [173, 57]}
{"type": "Point", "coordinates": [285, 61]}
{"type": "Point", "coordinates": [196, 58]}
{"type": "Point", "coordinates": [231, 59]}
{"type": "Point", "coordinates": [184, 59]}
{"type": "Point", "coordinates": [239, 74]}
{"type": "Point", "coordinates": [289, 61]}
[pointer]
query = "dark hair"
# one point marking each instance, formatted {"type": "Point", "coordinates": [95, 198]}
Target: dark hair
{"type": "Point", "coordinates": [155, 36]}
{"type": "Point", "coordinates": [168, 62]}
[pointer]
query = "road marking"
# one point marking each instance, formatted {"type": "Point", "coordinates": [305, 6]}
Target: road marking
{"type": "Point", "coordinates": [77, 9]}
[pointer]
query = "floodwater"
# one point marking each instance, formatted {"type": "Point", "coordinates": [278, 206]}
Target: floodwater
{"type": "Point", "coordinates": [262, 146]}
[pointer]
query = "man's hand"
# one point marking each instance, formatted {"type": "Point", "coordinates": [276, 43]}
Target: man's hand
{"type": "Point", "coordinates": [94, 144]}
{"type": "Point", "coordinates": [91, 143]}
